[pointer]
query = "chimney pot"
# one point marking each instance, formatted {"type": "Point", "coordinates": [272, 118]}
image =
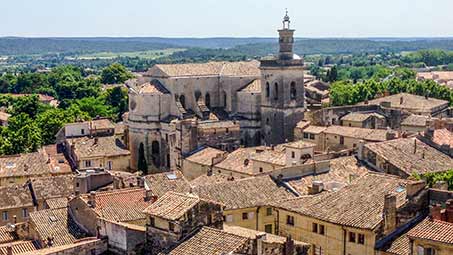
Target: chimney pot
{"type": "Point", "coordinates": [389, 213]}
{"type": "Point", "coordinates": [435, 212]}
{"type": "Point", "coordinates": [92, 199]}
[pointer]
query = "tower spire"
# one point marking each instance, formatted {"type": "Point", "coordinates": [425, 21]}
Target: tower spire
{"type": "Point", "coordinates": [286, 20]}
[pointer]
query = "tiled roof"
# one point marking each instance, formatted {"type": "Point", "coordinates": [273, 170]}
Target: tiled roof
{"type": "Point", "coordinates": [253, 87]}
{"type": "Point", "coordinates": [15, 196]}
{"type": "Point", "coordinates": [123, 205]}
{"type": "Point", "coordinates": [274, 157]}
{"type": "Point", "coordinates": [299, 144]}
{"type": "Point", "coordinates": [439, 75]}
{"type": "Point", "coordinates": [210, 241]}
{"type": "Point", "coordinates": [7, 236]}
{"type": "Point", "coordinates": [315, 129]}
{"type": "Point", "coordinates": [359, 133]}
{"type": "Point", "coordinates": [411, 102]}
{"type": "Point", "coordinates": [340, 174]}
{"type": "Point", "coordinates": [119, 128]}
{"type": "Point", "coordinates": [204, 156]}
{"type": "Point", "coordinates": [443, 136]}
{"type": "Point", "coordinates": [28, 164]}
{"type": "Point", "coordinates": [206, 180]}
{"type": "Point", "coordinates": [172, 205]}
{"type": "Point", "coordinates": [412, 155]}
{"type": "Point", "coordinates": [236, 160]}
{"type": "Point", "coordinates": [53, 187]}
{"type": "Point", "coordinates": [433, 230]}
{"type": "Point", "coordinates": [56, 203]}
{"type": "Point", "coordinates": [153, 87]}
{"type": "Point", "coordinates": [415, 120]}
{"type": "Point", "coordinates": [251, 234]}
{"type": "Point", "coordinates": [361, 116]}
{"type": "Point", "coordinates": [244, 193]}
{"type": "Point", "coordinates": [317, 86]}
{"type": "Point", "coordinates": [57, 160]}
{"type": "Point", "coordinates": [57, 224]}
{"type": "Point", "coordinates": [400, 246]}
{"type": "Point", "coordinates": [19, 247]}
{"type": "Point", "coordinates": [208, 69]}
{"type": "Point", "coordinates": [86, 147]}
{"type": "Point", "coordinates": [162, 183]}
{"type": "Point", "coordinates": [358, 205]}
{"type": "Point", "coordinates": [97, 124]}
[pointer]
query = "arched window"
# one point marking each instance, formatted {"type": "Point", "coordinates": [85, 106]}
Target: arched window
{"type": "Point", "coordinates": [197, 95]}
{"type": "Point", "coordinates": [207, 100]}
{"type": "Point", "coordinates": [267, 89]}
{"type": "Point", "coordinates": [155, 152]}
{"type": "Point", "coordinates": [182, 99]}
{"type": "Point", "coordinates": [293, 91]}
{"type": "Point", "coordinates": [276, 91]}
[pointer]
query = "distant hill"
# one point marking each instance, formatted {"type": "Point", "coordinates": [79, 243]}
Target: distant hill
{"type": "Point", "coordinates": [246, 46]}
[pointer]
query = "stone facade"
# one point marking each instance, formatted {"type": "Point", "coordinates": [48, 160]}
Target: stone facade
{"type": "Point", "coordinates": [164, 103]}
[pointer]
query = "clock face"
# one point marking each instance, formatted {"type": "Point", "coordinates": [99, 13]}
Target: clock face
{"type": "Point", "coordinates": [132, 104]}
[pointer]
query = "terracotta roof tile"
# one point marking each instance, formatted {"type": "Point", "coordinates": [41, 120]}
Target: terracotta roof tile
{"type": "Point", "coordinates": [206, 180]}
{"type": "Point", "coordinates": [56, 203]}
{"type": "Point", "coordinates": [359, 133]}
{"type": "Point", "coordinates": [123, 205]}
{"type": "Point", "coordinates": [238, 160]}
{"type": "Point", "coordinates": [244, 193]}
{"type": "Point", "coordinates": [15, 196]}
{"type": "Point", "coordinates": [210, 241]}
{"type": "Point", "coordinates": [27, 165]}
{"type": "Point", "coordinates": [339, 175]}
{"type": "Point", "coordinates": [162, 183]}
{"type": "Point", "coordinates": [358, 205]}
{"type": "Point", "coordinates": [415, 120]}
{"type": "Point", "coordinates": [400, 153]}
{"type": "Point", "coordinates": [299, 144]}
{"type": "Point", "coordinates": [433, 230]}
{"type": "Point", "coordinates": [172, 205]}
{"type": "Point", "coordinates": [443, 136]}
{"type": "Point", "coordinates": [207, 69]}
{"type": "Point", "coordinates": [86, 147]}
{"type": "Point", "coordinates": [413, 103]}
{"type": "Point", "coordinates": [205, 156]}
{"type": "Point", "coordinates": [7, 236]}
{"type": "Point", "coordinates": [361, 116]}
{"type": "Point", "coordinates": [53, 187]}
{"type": "Point", "coordinates": [19, 247]}
{"type": "Point", "coordinates": [58, 224]}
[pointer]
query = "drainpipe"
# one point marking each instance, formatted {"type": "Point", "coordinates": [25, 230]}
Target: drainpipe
{"type": "Point", "coordinates": [257, 214]}
{"type": "Point", "coordinates": [344, 240]}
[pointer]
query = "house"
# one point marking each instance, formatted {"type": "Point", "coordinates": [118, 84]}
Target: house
{"type": "Point", "coordinates": [54, 227]}
{"type": "Point", "coordinates": [335, 138]}
{"type": "Point", "coordinates": [49, 191]}
{"type": "Point", "coordinates": [245, 201]}
{"type": "Point", "coordinates": [352, 219]}
{"type": "Point", "coordinates": [96, 127]}
{"type": "Point", "coordinates": [404, 157]}
{"type": "Point", "coordinates": [317, 92]}
{"type": "Point", "coordinates": [19, 168]}
{"type": "Point", "coordinates": [236, 240]}
{"type": "Point", "coordinates": [175, 215]}
{"type": "Point", "coordinates": [415, 123]}
{"type": "Point", "coordinates": [16, 204]}
{"type": "Point", "coordinates": [13, 241]}
{"type": "Point", "coordinates": [412, 103]}
{"type": "Point", "coordinates": [201, 162]}
{"type": "Point", "coordinates": [99, 152]}
{"type": "Point", "coordinates": [364, 120]}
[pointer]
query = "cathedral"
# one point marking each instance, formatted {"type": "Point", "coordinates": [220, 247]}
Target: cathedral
{"type": "Point", "coordinates": [175, 109]}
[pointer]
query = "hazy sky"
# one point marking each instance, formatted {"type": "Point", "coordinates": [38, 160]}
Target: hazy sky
{"type": "Point", "coordinates": [238, 18]}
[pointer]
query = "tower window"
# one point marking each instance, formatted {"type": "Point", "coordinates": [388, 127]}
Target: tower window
{"type": "Point", "coordinates": [293, 91]}
{"type": "Point", "coordinates": [267, 89]}
{"type": "Point", "coordinates": [276, 91]}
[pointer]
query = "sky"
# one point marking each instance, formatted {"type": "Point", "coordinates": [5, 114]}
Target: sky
{"type": "Point", "coordinates": [229, 18]}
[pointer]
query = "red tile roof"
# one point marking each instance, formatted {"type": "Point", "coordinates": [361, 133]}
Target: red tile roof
{"type": "Point", "coordinates": [434, 230]}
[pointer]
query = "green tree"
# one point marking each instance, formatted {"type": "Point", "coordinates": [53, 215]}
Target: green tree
{"type": "Point", "coordinates": [95, 107]}
{"type": "Point", "coordinates": [22, 135]}
{"type": "Point", "coordinates": [115, 74]}
{"type": "Point", "coordinates": [117, 98]}
{"type": "Point", "coordinates": [26, 104]}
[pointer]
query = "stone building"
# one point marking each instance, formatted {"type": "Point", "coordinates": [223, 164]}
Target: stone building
{"type": "Point", "coordinates": [173, 108]}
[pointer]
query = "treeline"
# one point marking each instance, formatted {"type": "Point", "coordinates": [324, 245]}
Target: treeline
{"type": "Point", "coordinates": [430, 57]}
{"type": "Point", "coordinates": [33, 123]}
{"type": "Point", "coordinates": [349, 93]}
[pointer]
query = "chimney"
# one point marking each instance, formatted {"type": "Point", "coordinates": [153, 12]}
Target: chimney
{"type": "Point", "coordinates": [116, 182]}
{"type": "Point", "coordinates": [415, 145]}
{"type": "Point", "coordinates": [316, 187]}
{"type": "Point", "coordinates": [360, 150]}
{"type": "Point", "coordinates": [50, 241]}
{"type": "Point", "coordinates": [389, 213]}
{"type": "Point", "coordinates": [9, 249]}
{"type": "Point", "coordinates": [260, 238]}
{"type": "Point", "coordinates": [449, 211]}
{"type": "Point", "coordinates": [414, 187]}
{"type": "Point", "coordinates": [435, 212]}
{"type": "Point", "coordinates": [140, 182]}
{"type": "Point", "coordinates": [149, 196]}
{"type": "Point", "coordinates": [401, 100]}
{"type": "Point", "coordinates": [390, 135]}
{"type": "Point", "coordinates": [429, 133]}
{"type": "Point", "coordinates": [95, 141]}
{"type": "Point", "coordinates": [92, 199]}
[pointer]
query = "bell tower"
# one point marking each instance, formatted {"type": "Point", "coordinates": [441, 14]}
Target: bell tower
{"type": "Point", "coordinates": [282, 90]}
